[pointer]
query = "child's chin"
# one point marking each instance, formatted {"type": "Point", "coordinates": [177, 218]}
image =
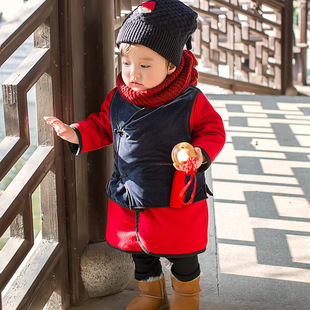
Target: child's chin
{"type": "Point", "coordinates": [139, 88]}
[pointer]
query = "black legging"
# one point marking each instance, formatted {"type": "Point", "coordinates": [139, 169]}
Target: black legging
{"type": "Point", "coordinates": [183, 268]}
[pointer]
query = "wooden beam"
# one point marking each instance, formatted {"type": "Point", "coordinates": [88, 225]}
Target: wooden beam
{"type": "Point", "coordinates": [24, 184]}
{"type": "Point", "coordinates": [236, 85]}
{"type": "Point", "coordinates": [11, 256]}
{"type": "Point", "coordinates": [36, 270]}
{"type": "Point", "coordinates": [11, 148]}
{"type": "Point", "coordinates": [16, 31]}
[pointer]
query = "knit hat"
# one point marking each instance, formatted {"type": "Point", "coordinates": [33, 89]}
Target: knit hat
{"type": "Point", "coordinates": [164, 26]}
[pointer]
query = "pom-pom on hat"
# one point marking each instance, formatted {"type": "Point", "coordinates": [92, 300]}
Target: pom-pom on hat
{"type": "Point", "coordinates": [164, 26]}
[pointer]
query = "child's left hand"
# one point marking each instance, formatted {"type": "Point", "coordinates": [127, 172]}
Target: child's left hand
{"type": "Point", "coordinates": [200, 159]}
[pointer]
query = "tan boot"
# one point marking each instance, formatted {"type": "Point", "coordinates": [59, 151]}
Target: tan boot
{"type": "Point", "coordinates": [185, 294]}
{"type": "Point", "coordinates": [153, 296]}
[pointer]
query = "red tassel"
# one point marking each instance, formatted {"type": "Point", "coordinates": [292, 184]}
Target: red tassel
{"type": "Point", "coordinates": [179, 189]}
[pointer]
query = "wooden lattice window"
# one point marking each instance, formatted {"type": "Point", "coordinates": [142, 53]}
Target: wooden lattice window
{"type": "Point", "coordinates": [28, 166]}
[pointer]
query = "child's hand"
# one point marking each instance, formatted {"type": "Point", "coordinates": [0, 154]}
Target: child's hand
{"type": "Point", "coordinates": [199, 159]}
{"type": "Point", "coordinates": [62, 130]}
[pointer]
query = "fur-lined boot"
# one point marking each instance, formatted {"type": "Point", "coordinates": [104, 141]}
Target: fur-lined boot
{"type": "Point", "coordinates": [185, 294]}
{"type": "Point", "coordinates": [153, 295]}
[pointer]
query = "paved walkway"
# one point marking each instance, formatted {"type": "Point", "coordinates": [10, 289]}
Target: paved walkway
{"type": "Point", "coordinates": [258, 255]}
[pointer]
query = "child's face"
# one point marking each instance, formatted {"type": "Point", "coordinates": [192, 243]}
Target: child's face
{"type": "Point", "coordinates": [143, 69]}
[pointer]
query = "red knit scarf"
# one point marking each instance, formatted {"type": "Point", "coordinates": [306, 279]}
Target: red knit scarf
{"type": "Point", "coordinates": [175, 83]}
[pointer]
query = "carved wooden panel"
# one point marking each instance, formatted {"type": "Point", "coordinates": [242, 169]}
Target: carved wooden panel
{"type": "Point", "coordinates": [239, 40]}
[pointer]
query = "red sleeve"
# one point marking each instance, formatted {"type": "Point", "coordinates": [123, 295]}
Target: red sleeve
{"type": "Point", "coordinates": [207, 128]}
{"type": "Point", "coordinates": [96, 131]}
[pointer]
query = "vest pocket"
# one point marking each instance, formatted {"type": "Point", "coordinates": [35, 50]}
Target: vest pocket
{"type": "Point", "coordinates": [122, 196]}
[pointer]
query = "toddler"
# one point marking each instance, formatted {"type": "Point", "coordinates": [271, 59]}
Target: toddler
{"type": "Point", "coordinates": [155, 106]}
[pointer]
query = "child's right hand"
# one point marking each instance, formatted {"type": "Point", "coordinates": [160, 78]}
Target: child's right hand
{"type": "Point", "coordinates": [62, 130]}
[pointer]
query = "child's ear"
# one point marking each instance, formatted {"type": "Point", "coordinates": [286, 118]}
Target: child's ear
{"type": "Point", "coordinates": [171, 68]}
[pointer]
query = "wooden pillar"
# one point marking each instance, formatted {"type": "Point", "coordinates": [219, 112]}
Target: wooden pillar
{"type": "Point", "coordinates": [303, 25]}
{"type": "Point", "coordinates": [303, 20]}
{"type": "Point", "coordinates": [87, 70]}
{"type": "Point", "coordinates": [287, 48]}
{"type": "Point", "coordinates": [71, 36]}
{"type": "Point", "coordinates": [100, 80]}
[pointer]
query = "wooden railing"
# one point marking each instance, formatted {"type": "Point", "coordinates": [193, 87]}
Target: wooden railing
{"type": "Point", "coordinates": [245, 45]}
{"type": "Point", "coordinates": [31, 269]}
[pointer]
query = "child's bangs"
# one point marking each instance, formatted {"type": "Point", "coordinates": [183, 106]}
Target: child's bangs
{"type": "Point", "coordinates": [125, 48]}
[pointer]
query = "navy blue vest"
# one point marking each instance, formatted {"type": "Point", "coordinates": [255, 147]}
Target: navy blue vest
{"type": "Point", "coordinates": [143, 139]}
